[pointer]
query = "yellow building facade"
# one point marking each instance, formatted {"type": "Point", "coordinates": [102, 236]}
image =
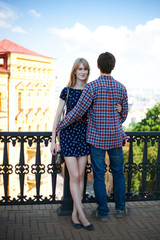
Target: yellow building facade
{"type": "Point", "coordinates": [27, 87]}
{"type": "Point", "coordinates": [27, 84]}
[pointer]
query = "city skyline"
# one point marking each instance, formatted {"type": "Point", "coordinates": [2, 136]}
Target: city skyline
{"type": "Point", "coordinates": [65, 30]}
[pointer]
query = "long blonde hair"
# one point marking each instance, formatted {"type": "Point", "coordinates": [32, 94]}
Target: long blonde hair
{"type": "Point", "coordinates": [78, 61]}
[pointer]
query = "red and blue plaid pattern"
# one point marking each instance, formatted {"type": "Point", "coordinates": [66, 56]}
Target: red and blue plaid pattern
{"type": "Point", "coordinates": [100, 98]}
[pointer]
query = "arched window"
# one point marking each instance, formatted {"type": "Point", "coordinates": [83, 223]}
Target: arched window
{"type": "Point", "coordinates": [29, 99]}
{"type": "Point", "coordinates": [0, 101]}
{"type": "Point", "coordinates": [46, 99]}
{"type": "Point", "coordinates": [19, 100]}
{"type": "Point", "coordinates": [38, 99]}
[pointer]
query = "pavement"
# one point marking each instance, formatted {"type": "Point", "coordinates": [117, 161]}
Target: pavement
{"type": "Point", "coordinates": [41, 222]}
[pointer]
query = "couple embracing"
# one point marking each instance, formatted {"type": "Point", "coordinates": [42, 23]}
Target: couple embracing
{"type": "Point", "coordinates": [92, 126]}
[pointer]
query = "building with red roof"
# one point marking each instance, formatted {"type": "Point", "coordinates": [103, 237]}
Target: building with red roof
{"type": "Point", "coordinates": [27, 82]}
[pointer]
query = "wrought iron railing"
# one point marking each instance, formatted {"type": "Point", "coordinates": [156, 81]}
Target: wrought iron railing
{"type": "Point", "coordinates": [145, 170]}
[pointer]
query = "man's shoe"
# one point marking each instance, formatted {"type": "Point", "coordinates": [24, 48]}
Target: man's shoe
{"type": "Point", "coordinates": [123, 213]}
{"type": "Point", "coordinates": [100, 217]}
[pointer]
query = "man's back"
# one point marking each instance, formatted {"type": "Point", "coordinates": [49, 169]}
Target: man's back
{"type": "Point", "coordinates": [105, 123]}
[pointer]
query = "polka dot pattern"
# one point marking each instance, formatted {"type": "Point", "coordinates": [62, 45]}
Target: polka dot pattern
{"type": "Point", "coordinates": [73, 138]}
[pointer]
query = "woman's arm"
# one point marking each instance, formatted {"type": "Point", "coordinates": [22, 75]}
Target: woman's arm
{"type": "Point", "coordinates": [60, 107]}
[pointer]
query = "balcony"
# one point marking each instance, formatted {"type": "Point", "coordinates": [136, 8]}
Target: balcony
{"type": "Point", "coordinates": [40, 216]}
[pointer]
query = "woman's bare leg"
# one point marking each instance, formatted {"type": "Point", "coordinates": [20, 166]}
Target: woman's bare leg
{"type": "Point", "coordinates": [76, 167]}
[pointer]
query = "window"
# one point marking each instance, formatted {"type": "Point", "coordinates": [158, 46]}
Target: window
{"type": "Point", "coordinates": [29, 99]}
{"type": "Point", "coordinates": [1, 62]}
{"type": "Point", "coordinates": [38, 127]}
{"type": "Point", "coordinates": [19, 100]}
{"type": "Point", "coordinates": [38, 99]}
{"type": "Point", "coordinates": [46, 100]}
{"type": "Point", "coordinates": [0, 101]}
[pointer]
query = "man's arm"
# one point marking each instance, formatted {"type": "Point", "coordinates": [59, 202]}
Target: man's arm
{"type": "Point", "coordinates": [77, 112]}
{"type": "Point", "coordinates": [124, 111]}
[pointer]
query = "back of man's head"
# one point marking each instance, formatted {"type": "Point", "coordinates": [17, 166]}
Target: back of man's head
{"type": "Point", "coordinates": [106, 62]}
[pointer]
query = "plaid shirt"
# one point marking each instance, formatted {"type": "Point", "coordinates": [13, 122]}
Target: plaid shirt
{"type": "Point", "coordinates": [100, 98]}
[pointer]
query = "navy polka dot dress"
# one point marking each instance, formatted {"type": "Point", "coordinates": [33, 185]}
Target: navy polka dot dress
{"type": "Point", "coordinates": [73, 138]}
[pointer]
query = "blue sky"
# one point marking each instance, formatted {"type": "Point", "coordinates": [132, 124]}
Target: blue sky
{"type": "Point", "coordinates": [66, 30]}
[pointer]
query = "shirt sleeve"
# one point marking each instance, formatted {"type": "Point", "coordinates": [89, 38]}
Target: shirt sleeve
{"type": "Point", "coordinates": [77, 112]}
{"type": "Point", "coordinates": [124, 111]}
{"type": "Point", "coordinates": [63, 94]}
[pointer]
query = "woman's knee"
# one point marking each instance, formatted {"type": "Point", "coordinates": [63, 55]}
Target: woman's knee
{"type": "Point", "coordinates": [75, 177]}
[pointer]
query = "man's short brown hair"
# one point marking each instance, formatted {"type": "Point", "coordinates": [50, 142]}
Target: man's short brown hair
{"type": "Point", "coordinates": [106, 62]}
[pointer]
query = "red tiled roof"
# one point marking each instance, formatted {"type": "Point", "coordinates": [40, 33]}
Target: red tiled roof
{"type": "Point", "coordinates": [7, 46]}
{"type": "Point", "coordinates": [2, 69]}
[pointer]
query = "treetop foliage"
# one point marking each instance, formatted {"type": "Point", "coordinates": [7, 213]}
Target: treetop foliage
{"type": "Point", "coordinates": [151, 122]}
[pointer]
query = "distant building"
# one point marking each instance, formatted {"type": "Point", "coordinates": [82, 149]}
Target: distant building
{"type": "Point", "coordinates": [27, 87]}
{"type": "Point", "coordinates": [27, 82]}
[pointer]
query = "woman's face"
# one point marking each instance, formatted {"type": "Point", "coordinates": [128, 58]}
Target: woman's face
{"type": "Point", "coordinates": [81, 72]}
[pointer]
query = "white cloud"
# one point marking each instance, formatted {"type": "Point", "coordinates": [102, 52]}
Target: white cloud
{"type": "Point", "coordinates": [18, 30]}
{"type": "Point", "coordinates": [102, 37]}
{"type": "Point", "coordinates": [137, 51]}
{"type": "Point", "coordinates": [4, 24]}
{"type": "Point", "coordinates": [73, 35]}
{"type": "Point", "coordinates": [34, 13]}
{"type": "Point", "coordinates": [6, 12]}
{"type": "Point", "coordinates": [7, 17]}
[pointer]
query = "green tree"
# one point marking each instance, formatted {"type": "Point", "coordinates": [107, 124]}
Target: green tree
{"type": "Point", "coordinates": [151, 122]}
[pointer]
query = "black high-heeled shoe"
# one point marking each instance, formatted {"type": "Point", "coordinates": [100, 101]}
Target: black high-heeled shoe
{"type": "Point", "coordinates": [76, 225]}
{"type": "Point", "coordinates": [88, 227]}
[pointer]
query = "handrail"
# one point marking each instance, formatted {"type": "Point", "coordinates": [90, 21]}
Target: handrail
{"type": "Point", "coordinates": [38, 141]}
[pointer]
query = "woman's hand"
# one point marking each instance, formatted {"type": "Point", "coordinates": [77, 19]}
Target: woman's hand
{"type": "Point", "coordinates": [119, 108]}
{"type": "Point", "coordinates": [53, 148]}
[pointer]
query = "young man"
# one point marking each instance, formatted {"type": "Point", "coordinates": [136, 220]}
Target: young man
{"type": "Point", "coordinates": [104, 133]}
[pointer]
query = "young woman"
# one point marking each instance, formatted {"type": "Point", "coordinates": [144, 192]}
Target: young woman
{"type": "Point", "coordinates": [73, 143]}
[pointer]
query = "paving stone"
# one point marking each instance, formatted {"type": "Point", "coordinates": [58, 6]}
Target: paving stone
{"type": "Point", "coordinates": [41, 222]}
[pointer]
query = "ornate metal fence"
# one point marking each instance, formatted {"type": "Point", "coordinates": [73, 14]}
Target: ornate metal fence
{"type": "Point", "coordinates": [144, 170]}
{"type": "Point", "coordinates": [147, 166]}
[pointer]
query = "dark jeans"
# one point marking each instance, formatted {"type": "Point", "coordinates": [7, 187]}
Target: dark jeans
{"type": "Point", "coordinates": [116, 165]}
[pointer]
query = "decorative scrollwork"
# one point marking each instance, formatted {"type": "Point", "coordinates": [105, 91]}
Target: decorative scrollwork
{"type": "Point", "coordinates": [38, 139]}
{"type": "Point", "coordinates": [6, 199]}
{"type": "Point", "coordinates": [22, 198]}
{"type": "Point", "coordinates": [156, 166]}
{"type": "Point", "coordinates": [30, 141]}
{"type": "Point", "coordinates": [88, 168]}
{"type": "Point", "coordinates": [145, 167]}
{"type": "Point", "coordinates": [51, 198]}
{"type": "Point", "coordinates": [153, 140]}
{"type": "Point", "coordinates": [52, 168]}
{"type": "Point", "coordinates": [38, 198]}
{"type": "Point", "coordinates": [46, 141]}
{"type": "Point", "coordinates": [40, 168]}
{"type": "Point", "coordinates": [130, 167]}
{"type": "Point", "coordinates": [14, 140]}
{"type": "Point", "coordinates": [139, 139]}
{"type": "Point", "coordinates": [131, 139]}
{"type": "Point", "coordinates": [22, 169]}
{"type": "Point", "coordinates": [22, 139]}
{"type": "Point", "coordinates": [8, 169]}
{"type": "Point", "coordinates": [110, 170]}
{"type": "Point", "coordinates": [5, 139]}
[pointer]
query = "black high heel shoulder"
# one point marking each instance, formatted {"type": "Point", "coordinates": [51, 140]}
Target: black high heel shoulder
{"type": "Point", "coordinates": [88, 227]}
{"type": "Point", "coordinates": [76, 225]}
